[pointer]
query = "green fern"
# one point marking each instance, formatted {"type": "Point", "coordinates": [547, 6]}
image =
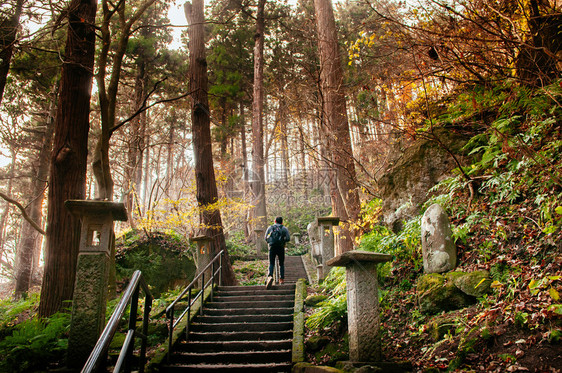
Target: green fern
{"type": "Point", "coordinates": [35, 343]}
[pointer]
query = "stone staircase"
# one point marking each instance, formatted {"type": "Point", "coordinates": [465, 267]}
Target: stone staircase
{"type": "Point", "coordinates": [244, 329]}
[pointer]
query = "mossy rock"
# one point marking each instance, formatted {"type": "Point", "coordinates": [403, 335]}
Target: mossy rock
{"type": "Point", "coordinates": [164, 259]}
{"type": "Point", "coordinates": [437, 293]}
{"type": "Point", "coordinates": [316, 343]}
{"type": "Point", "coordinates": [335, 351]}
{"type": "Point", "coordinates": [314, 300]}
{"type": "Point", "coordinates": [309, 368]}
{"type": "Point", "coordinates": [475, 283]}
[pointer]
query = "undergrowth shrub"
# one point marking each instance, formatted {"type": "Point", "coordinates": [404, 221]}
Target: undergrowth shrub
{"type": "Point", "coordinates": [333, 309]}
{"type": "Point", "coordinates": [238, 247]}
{"type": "Point", "coordinates": [35, 344]}
{"type": "Point", "coordinates": [11, 311]}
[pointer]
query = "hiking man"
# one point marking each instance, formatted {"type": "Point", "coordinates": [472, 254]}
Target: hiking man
{"type": "Point", "coordinates": [276, 236]}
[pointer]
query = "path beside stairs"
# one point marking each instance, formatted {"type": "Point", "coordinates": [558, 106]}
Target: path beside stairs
{"type": "Point", "coordinates": [244, 329]}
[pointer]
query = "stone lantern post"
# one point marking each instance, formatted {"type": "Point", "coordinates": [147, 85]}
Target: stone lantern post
{"type": "Point", "coordinates": [92, 271]}
{"type": "Point", "coordinates": [297, 238]}
{"type": "Point", "coordinates": [204, 254]}
{"type": "Point", "coordinates": [260, 243]}
{"type": "Point", "coordinates": [327, 242]}
{"type": "Point", "coordinates": [363, 316]}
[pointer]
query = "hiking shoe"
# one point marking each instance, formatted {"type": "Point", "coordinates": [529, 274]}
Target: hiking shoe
{"type": "Point", "coordinates": [269, 282]}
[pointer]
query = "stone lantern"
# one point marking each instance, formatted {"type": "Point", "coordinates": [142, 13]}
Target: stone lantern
{"type": "Point", "coordinates": [327, 242]}
{"type": "Point", "coordinates": [204, 255]}
{"type": "Point", "coordinates": [92, 272]}
{"type": "Point", "coordinates": [261, 247]}
{"type": "Point", "coordinates": [363, 315]}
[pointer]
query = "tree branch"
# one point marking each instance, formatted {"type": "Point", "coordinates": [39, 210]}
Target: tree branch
{"type": "Point", "coordinates": [23, 213]}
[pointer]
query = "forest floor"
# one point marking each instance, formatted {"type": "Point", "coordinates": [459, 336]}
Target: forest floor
{"type": "Point", "coordinates": [517, 328]}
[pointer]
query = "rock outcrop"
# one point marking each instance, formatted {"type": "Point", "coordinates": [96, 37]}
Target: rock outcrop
{"type": "Point", "coordinates": [416, 169]}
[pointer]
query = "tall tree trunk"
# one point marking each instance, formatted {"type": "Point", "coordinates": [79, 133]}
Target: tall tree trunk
{"type": "Point", "coordinates": [107, 92]}
{"type": "Point", "coordinates": [30, 244]}
{"type": "Point", "coordinates": [8, 32]}
{"type": "Point", "coordinates": [258, 174]}
{"type": "Point", "coordinates": [334, 105]}
{"type": "Point", "coordinates": [283, 129]}
{"type": "Point", "coordinates": [68, 160]}
{"type": "Point", "coordinates": [170, 146]}
{"type": "Point", "coordinates": [7, 205]}
{"type": "Point", "coordinates": [207, 194]}
{"type": "Point", "coordinates": [244, 165]}
{"type": "Point", "coordinates": [135, 153]}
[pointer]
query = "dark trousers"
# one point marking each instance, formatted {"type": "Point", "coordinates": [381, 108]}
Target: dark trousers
{"type": "Point", "coordinates": [280, 253]}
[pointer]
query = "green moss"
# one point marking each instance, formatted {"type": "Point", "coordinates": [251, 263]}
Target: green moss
{"type": "Point", "coordinates": [440, 326]}
{"type": "Point", "coordinates": [475, 283]}
{"type": "Point", "coordinates": [314, 300]}
{"type": "Point", "coordinates": [438, 293]}
{"type": "Point", "coordinates": [164, 259]}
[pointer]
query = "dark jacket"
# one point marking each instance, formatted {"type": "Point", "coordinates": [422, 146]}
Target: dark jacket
{"type": "Point", "coordinates": [284, 232]}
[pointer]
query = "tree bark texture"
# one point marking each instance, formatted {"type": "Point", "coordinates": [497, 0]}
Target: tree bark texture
{"type": "Point", "coordinates": [136, 146]}
{"type": "Point", "coordinates": [334, 106]}
{"type": "Point", "coordinates": [207, 194]}
{"type": "Point", "coordinates": [257, 178]}
{"type": "Point", "coordinates": [8, 33]}
{"type": "Point", "coordinates": [30, 243]}
{"type": "Point", "coordinates": [68, 160]}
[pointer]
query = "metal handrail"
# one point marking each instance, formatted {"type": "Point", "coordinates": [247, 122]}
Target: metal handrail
{"type": "Point", "coordinates": [130, 296]}
{"type": "Point", "coordinates": [171, 308]}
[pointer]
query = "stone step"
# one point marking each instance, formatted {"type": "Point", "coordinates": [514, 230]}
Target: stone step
{"type": "Point", "coordinates": [238, 368]}
{"type": "Point", "coordinates": [232, 357]}
{"type": "Point", "coordinates": [256, 287]}
{"type": "Point", "coordinates": [255, 298]}
{"type": "Point", "coordinates": [266, 317]}
{"type": "Point", "coordinates": [248, 311]}
{"type": "Point", "coordinates": [221, 292]}
{"type": "Point", "coordinates": [244, 329]}
{"type": "Point", "coordinates": [239, 327]}
{"type": "Point", "coordinates": [277, 335]}
{"type": "Point", "coordinates": [214, 346]}
{"type": "Point", "coordinates": [250, 304]}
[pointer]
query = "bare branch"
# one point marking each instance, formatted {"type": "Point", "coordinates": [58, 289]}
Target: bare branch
{"type": "Point", "coordinates": [23, 213]}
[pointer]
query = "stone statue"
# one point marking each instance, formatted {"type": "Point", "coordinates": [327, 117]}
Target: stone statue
{"type": "Point", "coordinates": [438, 249]}
{"type": "Point", "coordinates": [315, 242]}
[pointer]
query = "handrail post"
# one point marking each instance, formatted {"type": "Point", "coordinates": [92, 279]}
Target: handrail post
{"type": "Point", "coordinates": [188, 314]}
{"type": "Point", "coordinates": [132, 326]}
{"type": "Point", "coordinates": [145, 319]}
{"type": "Point", "coordinates": [212, 280]}
{"type": "Point", "coordinates": [202, 292]}
{"type": "Point", "coordinates": [170, 332]}
{"type": "Point", "coordinates": [220, 266]}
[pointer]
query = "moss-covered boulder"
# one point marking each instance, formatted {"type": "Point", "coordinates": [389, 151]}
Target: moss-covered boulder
{"type": "Point", "coordinates": [314, 300]}
{"type": "Point", "coordinates": [437, 293]}
{"type": "Point", "coordinates": [317, 342]}
{"type": "Point", "coordinates": [165, 260]}
{"type": "Point", "coordinates": [309, 368]}
{"type": "Point", "coordinates": [475, 283]}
